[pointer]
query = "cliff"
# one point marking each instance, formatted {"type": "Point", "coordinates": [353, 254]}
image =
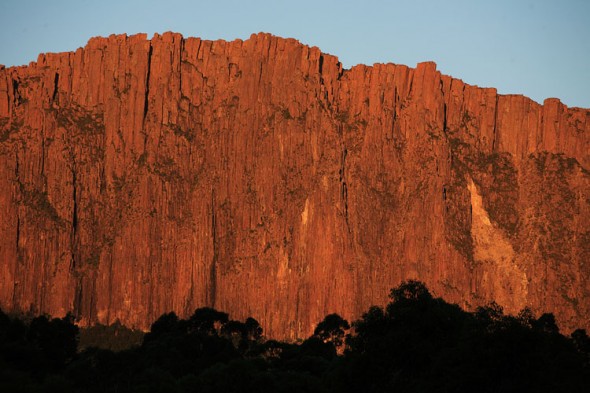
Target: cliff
{"type": "Point", "coordinates": [261, 178]}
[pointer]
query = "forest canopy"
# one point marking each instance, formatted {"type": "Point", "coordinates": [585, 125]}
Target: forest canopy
{"type": "Point", "coordinates": [417, 343]}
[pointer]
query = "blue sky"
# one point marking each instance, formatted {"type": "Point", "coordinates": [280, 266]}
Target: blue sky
{"type": "Point", "coordinates": [537, 48]}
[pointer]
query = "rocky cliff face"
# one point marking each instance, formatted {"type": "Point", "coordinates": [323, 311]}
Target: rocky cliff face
{"type": "Point", "coordinates": [259, 177]}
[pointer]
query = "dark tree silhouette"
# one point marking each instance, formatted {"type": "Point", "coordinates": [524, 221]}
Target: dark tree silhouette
{"type": "Point", "coordinates": [236, 332]}
{"type": "Point", "coordinates": [411, 290]}
{"type": "Point", "coordinates": [417, 344]}
{"type": "Point", "coordinates": [493, 312]}
{"type": "Point", "coordinates": [526, 317]}
{"type": "Point", "coordinates": [546, 323]}
{"type": "Point", "coordinates": [372, 325]}
{"type": "Point", "coordinates": [207, 320]}
{"type": "Point", "coordinates": [582, 344]}
{"type": "Point", "coordinates": [332, 330]}
{"type": "Point", "coordinates": [167, 323]}
{"type": "Point", "coordinates": [4, 322]}
{"type": "Point", "coordinates": [57, 338]}
{"type": "Point", "coordinates": [253, 329]}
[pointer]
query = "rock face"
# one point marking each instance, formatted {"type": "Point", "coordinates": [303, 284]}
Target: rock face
{"type": "Point", "coordinates": [259, 177]}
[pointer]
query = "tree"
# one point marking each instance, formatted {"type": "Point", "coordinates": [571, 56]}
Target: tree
{"type": "Point", "coordinates": [526, 317]}
{"type": "Point", "coordinates": [4, 321]}
{"type": "Point", "coordinates": [207, 320]}
{"type": "Point", "coordinates": [253, 329]}
{"type": "Point", "coordinates": [411, 290]}
{"type": "Point", "coordinates": [546, 323]}
{"type": "Point", "coordinates": [57, 338]}
{"type": "Point", "coordinates": [236, 332]}
{"type": "Point", "coordinates": [491, 314]}
{"type": "Point", "coordinates": [332, 330]}
{"type": "Point", "coordinates": [369, 330]}
{"type": "Point", "coordinates": [582, 343]}
{"type": "Point", "coordinates": [167, 323]}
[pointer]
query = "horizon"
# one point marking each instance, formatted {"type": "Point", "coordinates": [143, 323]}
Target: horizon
{"type": "Point", "coordinates": [535, 49]}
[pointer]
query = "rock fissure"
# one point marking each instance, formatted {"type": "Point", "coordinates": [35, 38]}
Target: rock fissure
{"type": "Point", "coordinates": [444, 100]}
{"type": "Point", "coordinates": [55, 88]}
{"type": "Point", "coordinates": [344, 189]}
{"type": "Point", "coordinates": [17, 242]}
{"type": "Point", "coordinates": [74, 219]}
{"type": "Point", "coordinates": [494, 131]}
{"type": "Point", "coordinates": [147, 84]}
{"type": "Point", "coordinates": [214, 240]}
{"type": "Point", "coordinates": [16, 93]}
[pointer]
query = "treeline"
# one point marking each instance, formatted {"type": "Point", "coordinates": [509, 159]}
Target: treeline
{"type": "Point", "coordinates": [417, 343]}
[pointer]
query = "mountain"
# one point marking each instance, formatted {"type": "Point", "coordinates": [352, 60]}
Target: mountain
{"type": "Point", "coordinates": [261, 178]}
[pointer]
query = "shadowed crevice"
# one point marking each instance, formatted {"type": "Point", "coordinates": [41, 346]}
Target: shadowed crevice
{"type": "Point", "coordinates": [147, 84]}
{"type": "Point", "coordinates": [213, 269]}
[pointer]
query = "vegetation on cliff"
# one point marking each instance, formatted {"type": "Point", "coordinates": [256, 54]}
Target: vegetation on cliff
{"type": "Point", "coordinates": [417, 343]}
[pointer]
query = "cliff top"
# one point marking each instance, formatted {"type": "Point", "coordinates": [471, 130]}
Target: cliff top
{"type": "Point", "coordinates": [99, 41]}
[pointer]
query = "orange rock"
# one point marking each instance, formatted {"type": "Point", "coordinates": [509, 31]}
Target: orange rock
{"type": "Point", "coordinates": [258, 177]}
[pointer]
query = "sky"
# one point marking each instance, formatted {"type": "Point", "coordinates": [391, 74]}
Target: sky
{"type": "Point", "coordinates": [537, 48]}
